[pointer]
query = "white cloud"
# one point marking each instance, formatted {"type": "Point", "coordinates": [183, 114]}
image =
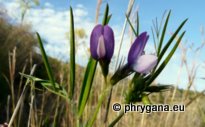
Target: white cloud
{"type": "Point", "coordinates": [52, 24]}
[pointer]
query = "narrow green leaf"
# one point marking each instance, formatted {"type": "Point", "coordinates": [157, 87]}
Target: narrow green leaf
{"type": "Point", "coordinates": [108, 105]}
{"type": "Point", "coordinates": [87, 84]}
{"type": "Point", "coordinates": [171, 40]}
{"type": "Point", "coordinates": [158, 88]}
{"type": "Point", "coordinates": [155, 43]}
{"type": "Point", "coordinates": [72, 55]}
{"type": "Point", "coordinates": [161, 22]}
{"type": "Point", "coordinates": [163, 33]}
{"type": "Point", "coordinates": [133, 29]}
{"type": "Point", "coordinates": [45, 60]}
{"type": "Point", "coordinates": [32, 77]}
{"type": "Point", "coordinates": [161, 67]}
{"type": "Point", "coordinates": [155, 29]}
{"type": "Point", "coordinates": [106, 17]}
{"type": "Point", "coordinates": [112, 124]}
{"type": "Point", "coordinates": [58, 90]}
{"type": "Point", "coordinates": [138, 24]}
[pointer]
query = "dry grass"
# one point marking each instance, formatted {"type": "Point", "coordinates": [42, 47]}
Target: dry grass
{"type": "Point", "coordinates": [42, 108]}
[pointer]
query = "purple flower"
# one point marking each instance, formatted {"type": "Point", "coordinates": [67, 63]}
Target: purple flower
{"type": "Point", "coordinates": [138, 61]}
{"type": "Point", "coordinates": [102, 43]}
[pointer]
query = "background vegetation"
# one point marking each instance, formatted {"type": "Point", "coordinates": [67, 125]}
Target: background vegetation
{"type": "Point", "coordinates": [41, 108]}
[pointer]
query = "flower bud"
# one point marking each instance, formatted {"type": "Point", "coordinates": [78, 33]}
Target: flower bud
{"type": "Point", "coordinates": [102, 43]}
{"type": "Point", "coordinates": [102, 46]}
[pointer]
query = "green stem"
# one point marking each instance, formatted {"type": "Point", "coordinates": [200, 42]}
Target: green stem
{"type": "Point", "coordinates": [117, 119]}
{"type": "Point", "coordinates": [146, 100]}
{"type": "Point", "coordinates": [126, 102]}
{"type": "Point", "coordinates": [108, 105]}
{"type": "Point", "coordinates": [100, 101]}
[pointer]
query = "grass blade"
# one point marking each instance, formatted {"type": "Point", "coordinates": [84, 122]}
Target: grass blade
{"type": "Point", "coordinates": [171, 40]}
{"type": "Point", "coordinates": [138, 24]}
{"type": "Point", "coordinates": [87, 84]}
{"type": "Point", "coordinates": [72, 55]}
{"type": "Point", "coordinates": [45, 60]}
{"type": "Point", "coordinates": [130, 7]}
{"type": "Point", "coordinates": [106, 18]}
{"type": "Point", "coordinates": [152, 78]}
{"type": "Point", "coordinates": [155, 43]}
{"type": "Point", "coordinates": [58, 90]}
{"type": "Point", "coordinates": [163, 33]}
{"type": "Point", "coordinates": [133, 29]}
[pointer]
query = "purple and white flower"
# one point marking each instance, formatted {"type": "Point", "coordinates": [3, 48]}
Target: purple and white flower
{"type": "Point", "coordinates": [102, 43]}
{"type": "Point", "coordinates": [137, 60]}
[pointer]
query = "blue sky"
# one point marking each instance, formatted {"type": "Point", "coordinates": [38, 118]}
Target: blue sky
{"type": "Point", "coordinates": [148, 11]}
{"type": "Point", "coordinates": [51, 20]}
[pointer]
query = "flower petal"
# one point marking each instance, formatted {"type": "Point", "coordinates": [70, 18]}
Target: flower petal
{"type": "Point", "coordinates": [101, 47]}
{"type": "Point", "coordinates": [137, 47]}
{"type": "Point", "coordinates": [145, 63]}
{"type": "Point", "coordinates": [95, 35]}
{"type": "Point", "coordinates": [109, 41]}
